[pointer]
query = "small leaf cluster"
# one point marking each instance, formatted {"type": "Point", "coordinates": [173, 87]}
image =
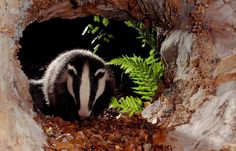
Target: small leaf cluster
{"type": "Point", "coordinates": [128, 104]}
{"type": "Point", "coordinates": [98, 30]}
{"type": "Point", "coordinates": [146, 35]}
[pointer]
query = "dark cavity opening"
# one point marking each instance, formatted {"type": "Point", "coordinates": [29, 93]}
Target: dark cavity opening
{"type": "Point", "coordinates": [42, 42]}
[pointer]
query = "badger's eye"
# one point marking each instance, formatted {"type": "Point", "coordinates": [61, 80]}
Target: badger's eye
{"type": "Point", "coordinates": [100, 73]}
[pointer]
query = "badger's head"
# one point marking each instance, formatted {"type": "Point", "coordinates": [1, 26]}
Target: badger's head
{"type": "Point", "coordinates": [88, 79]}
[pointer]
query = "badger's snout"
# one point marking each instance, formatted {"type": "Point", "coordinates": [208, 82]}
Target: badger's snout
{"type": "Point", "coordinates": [84, 114]}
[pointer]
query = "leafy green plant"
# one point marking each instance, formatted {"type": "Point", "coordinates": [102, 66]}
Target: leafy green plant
{"type": "Point", "coordinates": [146, 35]}
{"type": "Point", "coordinates": [98, 30]}
{"type": "Point", "coordinates": [128, 104]}
{"type": "Point", "coordinates": [145, 73]}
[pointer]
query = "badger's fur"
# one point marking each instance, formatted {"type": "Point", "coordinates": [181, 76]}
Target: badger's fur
{"type": "Point", "coordinates": [36, 92]}
{"type": "Point", "coordinates": [77, 84]}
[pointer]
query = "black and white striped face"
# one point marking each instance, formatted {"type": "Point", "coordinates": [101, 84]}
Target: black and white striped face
{"type": "Point", "coordinates": [85, 84]}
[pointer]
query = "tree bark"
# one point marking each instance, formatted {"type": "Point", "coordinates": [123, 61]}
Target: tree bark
{"type": "Point", "coordinates": [197, 41]}
{"type": "Point", "coordinates": [18, 130]}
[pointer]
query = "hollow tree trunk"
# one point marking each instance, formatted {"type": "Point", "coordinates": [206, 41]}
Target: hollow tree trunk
{"type": "Point", "coordinates": [197, 43]}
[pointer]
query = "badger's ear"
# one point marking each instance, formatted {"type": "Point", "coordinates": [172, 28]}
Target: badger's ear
{"type": "Point", "coordinates": [71, 69]}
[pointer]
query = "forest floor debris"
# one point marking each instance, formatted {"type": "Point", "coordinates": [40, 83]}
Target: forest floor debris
{"type": "Point", "coordinates": [108, 132]}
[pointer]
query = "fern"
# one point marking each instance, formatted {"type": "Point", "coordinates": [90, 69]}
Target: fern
{"type": "Point", "coordinates": [128, 104]}
{"type": "Point", "coordinates": [145, 73]}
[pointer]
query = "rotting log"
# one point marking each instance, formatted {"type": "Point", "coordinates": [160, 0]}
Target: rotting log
{"type": "Point", "coordinates": [197, 42]}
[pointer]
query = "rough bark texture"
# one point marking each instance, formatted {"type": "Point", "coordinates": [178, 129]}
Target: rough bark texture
{"type": "Point", "coordinates": [202, 90]}
{"type": "Point", "coordinates": [197, 109]}
{"type": "Point", "coordinates": [18, 130]}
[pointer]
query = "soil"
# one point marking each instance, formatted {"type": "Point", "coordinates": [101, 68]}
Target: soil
{"type": "Point", "coordinates": [108, 132]}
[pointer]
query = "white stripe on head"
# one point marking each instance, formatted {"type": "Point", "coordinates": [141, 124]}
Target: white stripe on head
{"type": "Point", "coordinates": [84, 92]}
{"type": "Point", "coordinates": [101, 84]}
{"type": "Point", "coordinates": [69, 82]}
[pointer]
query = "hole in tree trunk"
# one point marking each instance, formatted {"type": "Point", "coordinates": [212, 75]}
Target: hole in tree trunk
{"type": "Point", "coordinates": [42, 42]}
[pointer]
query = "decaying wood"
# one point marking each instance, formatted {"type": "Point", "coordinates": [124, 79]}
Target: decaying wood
{"type": "Point", "coordinates": [203, 87]}
{"type": "Point", "coordinates": [198, 106]}
{"type": "Point", "coordinates": [18, 131]}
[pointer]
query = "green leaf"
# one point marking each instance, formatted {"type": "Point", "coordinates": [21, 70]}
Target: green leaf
{"type": "Point", "coordinates": [106, 40]}
{"type": "Point", "coordinates": [85, 30]}
{"type": "Point", "coordinates": [95, 49]}
{"type": "Point", "coordinates": [129, 23]}
{"type": "Point", "coordinates": [94, 40]}
{"type": "Point", "coordinates": [128, 105]}
{"type": "Point", "coordinates": [94, 30]}
{"type": "Point", "coordinates": [96, 19]}
{"type": "Point", "coordinates": [100, 36]}
{"type": "Point", "coordinates": [110, 36]}
{"type": "Point", "coordinates": [143, 45]}
{"type": "Point", "coordinates": [105, 22]}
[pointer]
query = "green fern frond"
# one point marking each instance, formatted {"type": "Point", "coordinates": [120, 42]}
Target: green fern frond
{"type": "Point", "coordinates": [145, 73]}
{"type": "Point", "coordinates": [128, 104]}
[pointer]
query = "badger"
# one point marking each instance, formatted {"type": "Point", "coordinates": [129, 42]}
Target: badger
{"type": "Point", "coordinates": [76, 85]}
